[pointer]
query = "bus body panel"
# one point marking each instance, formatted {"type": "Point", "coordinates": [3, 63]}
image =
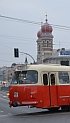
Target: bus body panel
{"type": "Point", "coordinates": [29, 94]}
{"type": "Point", "coordinates": [17, 93]}
{"type": "Point", "coordinates": [45, 96]}
{"type": "Point", "coordinates": [64, 95]}
{"type": "Point", "coordinates": [35, 93]}
{"type": "Point", "coordinates": [54, 96]}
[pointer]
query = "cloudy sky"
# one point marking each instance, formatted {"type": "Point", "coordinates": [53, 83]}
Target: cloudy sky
{"type": "Point", "coordinates": [23, 35]}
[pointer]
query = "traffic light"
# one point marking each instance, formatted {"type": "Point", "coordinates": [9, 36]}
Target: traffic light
{"type": "Point", "coordinates": [16, 52]}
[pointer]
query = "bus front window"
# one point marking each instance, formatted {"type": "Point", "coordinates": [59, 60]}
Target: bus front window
{"type": "Point", "coordinates": [25, 77]}
{"type": "Point", "coordinates": [28, 77]}
{"type": "Point", "coordinates": [15, 78]}
{"type": "Point", "coordinates": [14, 82]}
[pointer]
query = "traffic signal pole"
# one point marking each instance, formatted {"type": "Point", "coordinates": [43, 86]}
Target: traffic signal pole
{"type": "Point", "coordinates": [16, 54]}
{"type": "Point", "coordinates": [28, 55]}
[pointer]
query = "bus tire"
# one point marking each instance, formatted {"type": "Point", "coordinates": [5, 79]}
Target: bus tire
{"type": "Point", "coordinates": [53, 109]}
{"type": "Point", "coordinates": [65, 108]}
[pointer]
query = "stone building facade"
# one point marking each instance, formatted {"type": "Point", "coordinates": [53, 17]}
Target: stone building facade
{"type": "Point", "coordinates": [45, 52]}
{"type": "Point", "coordinates": [44, 42]}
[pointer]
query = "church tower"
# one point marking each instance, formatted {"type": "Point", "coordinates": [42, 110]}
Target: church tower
{"type": "Point", "coordinates": [44, 42]}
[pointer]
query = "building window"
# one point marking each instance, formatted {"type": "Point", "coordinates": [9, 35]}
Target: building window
{"type": "Point", "coordinates": [39, 48]}
{"type": "Point", "coordinates": [50, 45]}
{"type": "Point", "coordinates": [44, 43]}
{"type": "Point", "coordinates": [47, 43]}
{"type": "Point", "coordinates": [56, 62]}
{"type": "Point", "coordinates": [64, 63]}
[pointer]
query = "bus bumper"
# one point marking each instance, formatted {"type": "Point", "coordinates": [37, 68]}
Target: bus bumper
{"type": "Point", "coordinates": [15, 104]}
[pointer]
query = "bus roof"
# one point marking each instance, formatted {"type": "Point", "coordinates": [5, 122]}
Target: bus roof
{"type": "Point", "coordinates": [47, 67]}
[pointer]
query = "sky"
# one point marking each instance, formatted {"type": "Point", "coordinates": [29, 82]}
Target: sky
{"type": "Point", "coordinates": [23, 35]}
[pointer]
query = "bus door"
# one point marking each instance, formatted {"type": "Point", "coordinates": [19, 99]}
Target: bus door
{"type": "Point", "coordinates": [53, 89]}
{"type": "Point", "coordinates": [45, 82]}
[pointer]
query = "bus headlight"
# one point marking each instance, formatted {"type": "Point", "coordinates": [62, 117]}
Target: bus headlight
{"type": "Point", "coordinates": [8, 94]}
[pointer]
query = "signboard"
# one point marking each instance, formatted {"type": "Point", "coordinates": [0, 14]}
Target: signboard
{"type": "Point", "coordinates": [64, 52]}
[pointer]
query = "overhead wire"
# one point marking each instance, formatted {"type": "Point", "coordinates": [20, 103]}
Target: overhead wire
{"type": "Point", "coordinates": [6, 61]}
{"type": "Point", "coordinates": [6, 46]}
{"type": "Point", "coordinates": [23, 38]}
{"type": "Point", "coordinates": [33, 22]}
{"type": "Point", "coordinates": [29, 40]}
{"type": "Point", "coordinates": [21, 20]}
{"type": "Point", "coordinates": [30, 22]}
{"type": "Point", "coordinates": [5, 53]}
{"type": "Point", "coordinates": [14, 37]}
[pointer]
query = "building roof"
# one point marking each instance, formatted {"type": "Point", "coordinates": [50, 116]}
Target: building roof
{"type": "Point", "coordinates": [57, 54]}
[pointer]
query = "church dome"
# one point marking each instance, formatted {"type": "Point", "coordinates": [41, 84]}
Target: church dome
{"type": "Point", "coordinates": [46, 29]}
{"type": "Point", "coordinates": [39, 34]}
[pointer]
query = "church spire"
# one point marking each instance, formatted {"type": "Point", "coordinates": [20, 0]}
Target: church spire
{"type": "Point", "coordinates": [26, 62]}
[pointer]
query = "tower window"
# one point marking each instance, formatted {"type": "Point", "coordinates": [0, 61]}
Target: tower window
{"type": "Point", "coordinates": [39, 48]}
{"type": "Point", "coordinates": [47, 43]}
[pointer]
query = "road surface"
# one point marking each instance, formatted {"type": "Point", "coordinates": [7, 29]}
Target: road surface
{"type": "Point", "coordinates": [29, 115]}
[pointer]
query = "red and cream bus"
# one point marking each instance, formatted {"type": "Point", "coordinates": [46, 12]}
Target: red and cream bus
{"type": "Point", "coordinates": [41, 86]}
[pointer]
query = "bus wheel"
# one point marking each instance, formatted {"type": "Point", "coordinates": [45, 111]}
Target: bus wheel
{"type": "Point", "coordinates": [15, 104]}
{"type": "Point", "coordinates": [65, 108]}
{"type": "Point", "coordinates": [53, 109]}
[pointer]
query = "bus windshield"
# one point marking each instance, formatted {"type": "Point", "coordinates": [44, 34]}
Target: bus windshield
{"type": "Point", "coordinates": [25, 77]}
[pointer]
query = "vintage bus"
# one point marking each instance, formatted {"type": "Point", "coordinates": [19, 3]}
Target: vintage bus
{"type": "Point", "coordinates": [41, 86]}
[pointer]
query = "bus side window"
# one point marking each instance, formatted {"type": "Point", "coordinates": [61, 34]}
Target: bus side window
{"type": "Point", "coordinates": [52, 79]}
{"type": "Point", "coordinates": [45, 79]}
{"type": "Point", "coordinates": [63, 77]}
